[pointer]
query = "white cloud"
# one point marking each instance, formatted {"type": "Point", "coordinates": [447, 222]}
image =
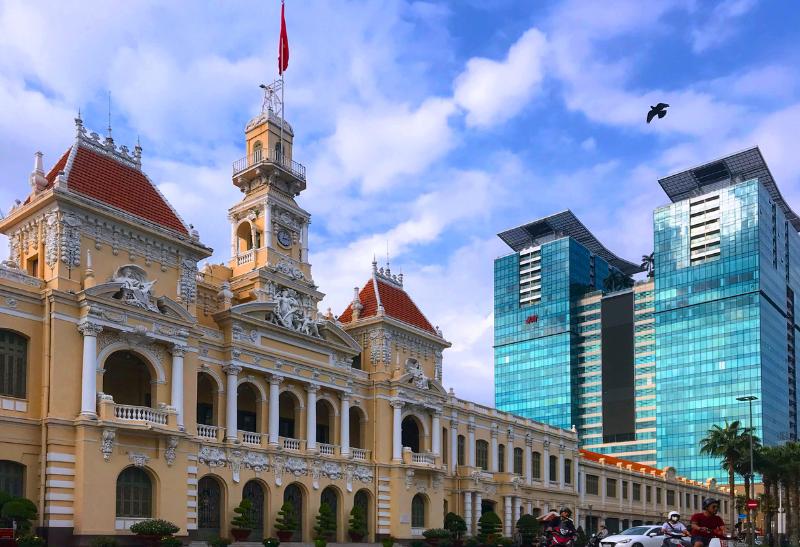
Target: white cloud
{"type": "Point", "coordinates": [589, 144]}
{"type": "Point", "coordinates": [493, 91]}
{"type": "Point", "coordinates": [720, 24]}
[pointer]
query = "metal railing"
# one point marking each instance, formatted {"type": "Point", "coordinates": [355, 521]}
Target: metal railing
{"type": "Point", "coordinates": [248, 437]}
{"type": "Point", "coordinates": [207, 431]}
{"type": "Point", "coordinates": [269, 156]}
{"type": "Point", "coordinates": [130, 413]}
{"type": "Point", "coordinates": [327, 449]}
{"type": "Point", "coordinates": [426, 458]}
{"type": "Point", "coordinates": [360, 453]}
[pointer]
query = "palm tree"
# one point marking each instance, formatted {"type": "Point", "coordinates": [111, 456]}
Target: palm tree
{"type": "Point", "coordinates": [616, 280]}
{"type": "Point", "coordinates": [790, 463]}
{"type": "Point", "coordinates": [649, 264]}
{"type": "Point", "coordinates": [726, 443]}
{"type": "Point", "coordinates": [767, 460]}
{"type": "Point", "coordinates": [743, 465]}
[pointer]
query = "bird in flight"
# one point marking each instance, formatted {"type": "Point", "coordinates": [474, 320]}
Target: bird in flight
{"type": "Point", "coordinates": [659, 110]}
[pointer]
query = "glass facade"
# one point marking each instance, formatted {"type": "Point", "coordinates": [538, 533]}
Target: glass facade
{"type": "Point", "coordinates": [724, 324]}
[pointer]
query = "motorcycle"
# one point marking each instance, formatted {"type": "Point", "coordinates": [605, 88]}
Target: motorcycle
{"type": "Point", "coordinates": [594, 541]}
{"type": "Point", "coordinates": [562, 536]}
{"type": "Point", "coordinates": [676, 539]}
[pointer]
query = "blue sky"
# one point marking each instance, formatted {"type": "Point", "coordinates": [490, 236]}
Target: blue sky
{"type": "Point", "coordinates": [427, 126]}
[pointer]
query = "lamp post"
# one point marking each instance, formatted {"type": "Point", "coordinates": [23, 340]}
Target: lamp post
{"type": "Point", "coordinates": [589, 525]}
{"type": "Point", "coordinates": [750, 399]}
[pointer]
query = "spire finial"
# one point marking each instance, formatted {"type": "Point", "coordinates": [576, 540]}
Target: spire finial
{"type": "Point", "coordinates": [109, 113]}
{"type": "Point", "coordinates": [374, 264]}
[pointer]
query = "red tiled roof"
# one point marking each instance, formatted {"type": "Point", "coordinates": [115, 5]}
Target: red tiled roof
{"type": "Point", "coordinates": [611, 460]}
{"type": "Point", "coordinates": [396, 304]}
{"type": "Point", "coordinates": [118, 185]}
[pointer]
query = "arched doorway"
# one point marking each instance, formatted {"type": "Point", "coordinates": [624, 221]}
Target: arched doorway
{"type": "Point", "coordinates": [330, 497]}
{"type": "Point", "coordinates": [12, 478]}
{"type": "Point", "coordinates": [244, 236]}
{"type": "Point", "coordinates": [288, 415]}
{"type": "Point", "coordinates": [410, 433]}
{"type": "Point", "coordinates": [209, 507]}
{"type": "Point", "coordinates": [488, 505]}
{"type": "Point", "coordinates": [357, 419]}
{"type": "Point", "coordinates": [247, 408]}
{"type": "Point", "coordinates": [127, 379]}
{"type": "Point", "coordinates": [206, 399]}
{"type": "Point", "coordinates": [254, 492]}
{"type": "Point", "coordinates": [361, 500]}
{"type": "Point", "coordinates": [325, 419]}
{"type": "Point", "coordinates": [294, 495]}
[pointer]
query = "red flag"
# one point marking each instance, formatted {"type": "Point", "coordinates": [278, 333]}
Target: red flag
{"type": "Point", "coordinates": [283, 46]}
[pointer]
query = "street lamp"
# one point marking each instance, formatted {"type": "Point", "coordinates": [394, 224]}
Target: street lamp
{"type": "Point", "coordinates": [589, 524]}
{"type": "Point", "coordinates": [750, 399]}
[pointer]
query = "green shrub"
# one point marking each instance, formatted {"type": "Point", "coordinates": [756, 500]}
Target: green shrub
{"type": "Point", "coordinates": [243, 519]}
{"type": "Point", "coordinates": [455, 524]}
{"type": "Point", "coordinates": [19, 510]}
{"type": "Point", "coordinates": [505, 542]}
{"type": "Point", "coordinates": [220, 542]}
{"type": "Point", "coordinates": [320, 542]}
{"type": "Point", "coordinates": [154, 527]}
{"type": "Point", "coordinates": [169, 541]}
{"type": "Point", "coordinates": [417, 543]}
{"type": "Point", "coordinates": [286, 521]}
{"type": "Point", "coordinates": [30, 541]}
{"type": "Point", "coordinates": [388, 542]}
{"type": "Point", "coordinates": [358, 521]}
{"type": "Point", "coordinates": [529, 529]}
{"type": "Point", "coordinates": [436, 533]}
{"type": "Point", "coordinates": [471, 542]}
{"type": "Point", "coordinates": [271, 542]}
{"type": "Point", "coordinates": [581, 540]}
{"type": "Point", "coordinates": [489, 526]}
{"type": "Point", "coordinates": [326, 523]}
{"type": "Point", "coordinates": [104, 542]}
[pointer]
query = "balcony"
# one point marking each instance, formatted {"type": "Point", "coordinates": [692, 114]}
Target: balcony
{"type": "Point", "coordinates": [209, 432]}
{"type": "Point", "coordinates": [293, 445]}
{"type": "Point", "coordinates": [361, 454]}
{"type": "Point", "coordinates": [144, 416]}
{"type": "Point", "coordinates": [248, 437]}
{"type": "Point", "coordinates": [245, 257]}
{"type": "Point", "coordinates": [327, 449]}
{"type": "Point", "coordinates": [252, 167]}
{"type": "Point", "coordinates": [422, 458]}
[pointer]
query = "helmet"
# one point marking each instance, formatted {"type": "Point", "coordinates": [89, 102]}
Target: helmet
{"type": "Point", "coordinates": [565, 510]}
{"type": "Point", "coordinates": [710, 501]}
{"type": "Point", "coordinates": [673, 514]}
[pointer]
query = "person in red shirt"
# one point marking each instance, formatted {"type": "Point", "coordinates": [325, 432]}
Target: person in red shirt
{"type": "Point", "coordinates": [708, 524]}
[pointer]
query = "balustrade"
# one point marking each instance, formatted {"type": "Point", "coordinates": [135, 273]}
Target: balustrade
{"type": "Point", "coordinates": [248, 437]}
{"type": "Point", "coordinates": [145, 414]}
{"type": "Point", "coordinates": [207, 431]}
{"type": "Point", "coordinates": [327, 449]}
{"type": "Point", "coordinates": [360, 453]}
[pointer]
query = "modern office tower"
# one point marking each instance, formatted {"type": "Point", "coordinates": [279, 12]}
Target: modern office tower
{"type": "Point", "coordinates": [544, 352]}
{"type": "Point", "coordinates": [727, 259]}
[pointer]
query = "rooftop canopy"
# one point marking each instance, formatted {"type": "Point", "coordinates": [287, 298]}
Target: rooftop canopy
{"type": "Point", "coordinates": [744, 165]}
{"type": "Point", "coordinates": [564, 224]}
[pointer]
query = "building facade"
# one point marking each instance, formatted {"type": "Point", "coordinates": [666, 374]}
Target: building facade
{"type": "Point", "coordinates": [643, 372]}
{"type": "Point", "coordinates": [135, 385]}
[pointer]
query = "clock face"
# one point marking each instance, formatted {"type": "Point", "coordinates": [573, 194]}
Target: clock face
{"type": "Point", "coordinates": [284, 238]}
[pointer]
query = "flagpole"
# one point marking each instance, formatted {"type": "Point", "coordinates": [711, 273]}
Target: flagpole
{"type": "Point", "coordinates": [283, 106]}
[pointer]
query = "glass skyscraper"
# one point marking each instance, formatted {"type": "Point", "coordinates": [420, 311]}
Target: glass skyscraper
{"type": "Point", "coordinates": [727, 257]}
{"type": "Point", "coordinates": [643, 372]}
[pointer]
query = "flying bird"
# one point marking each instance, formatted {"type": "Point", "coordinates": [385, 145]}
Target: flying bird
{"type": "Point", "coordinates": [659, 110]}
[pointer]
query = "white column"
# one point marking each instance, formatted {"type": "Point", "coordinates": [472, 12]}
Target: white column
{"type": "Point", "coordinates": [274, 407]}
{"type": "Point", "coordinates": [477, 509]}
{"type": "Point", "coordinates": [176, 398]}
{"type": "Point", "coordinates": [494, 465]}
{"type": "Point", "coordinates": [311, 417]}
{"type": "Point", "coordinates": [510, 453]}
{"type": "Point", "coordinates": [507, 516]}
{"type": "Point", "coordinates": [575, 471]}
{"type": "Point", "coordinates": [528, 461]}
{"type": "Point", "coordinates": [546, 462]}
{"type": "Point", "coordinates": [304, 243]}
{"type": "Point", "coordinates": [397, 424]}
{"type": "Point", "coordinates": [89, 368]}
{"type": "Point", "coordinates": [232, 433]}
{"type": "Point", "coordinates": [517, 513]}
{"type": "Point", "coordinates": [468, 511]}
{"type": "Point", "coordinates": [344, 427]}
{"type": "Point", "coordinates": [267, 225]}
{"type": "Point", "coordinates": [561, 467]}
{"type": "Point", "coordinates": [453, 444]}
{"type": "Point", "coordinates": [529, 508]}
{"type": "Point", "coordinates": [471, 443]}
{"type": "Point", "coordinates": [436, 434]}
{"type": "Point", "coordinates": [603, 487]}
{"type": "Point", "coordinates": [582, 479]}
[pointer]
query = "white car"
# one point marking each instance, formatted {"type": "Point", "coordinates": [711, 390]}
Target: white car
{"type": "Point", "coordinates": [638, 536]}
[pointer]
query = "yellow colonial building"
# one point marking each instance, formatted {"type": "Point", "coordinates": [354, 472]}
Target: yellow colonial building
{"type": "Point", "coordinates": [133, 385]}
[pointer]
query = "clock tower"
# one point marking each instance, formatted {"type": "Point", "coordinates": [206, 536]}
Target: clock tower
{"type": "Point", "coordinates": [269, 230]}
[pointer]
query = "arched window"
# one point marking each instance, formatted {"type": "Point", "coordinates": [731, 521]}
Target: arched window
{"type": "Point", "coordinates": [536, 461]}
{"type": "Point", "coordinates": [410, 434]}
{"type": "Point", "coordinates": [294, 496]}
{"type": "Point", "coordinates": [134, 494]}
{"type": "Point", "coordinates": [13, 364]}
{"type": "Point", "coordinates": [482, 454]}
{"type": "Point", "coordinates": [501, 458]}
{"type": "Point", "coordinates": [209, 506]}
{"type": "Point", "coordinates": [518, 461]}
{"type": "Point", "coordinates": [461, 443]}
{"type": "Point", "coordinates": [257, 152]}
{"type": "Point", "coordinates": [12, 478]}
{"type": "Point", "coordinates": [418, 511]}
{"type": "Point", "coordinates": [254, 492]}
{"type": "Point", "coordinates": [361, 500]}
{"type": "Point", "coordinates": [553, 468]}
{"type": "Point", "coordinates": [568, 471]}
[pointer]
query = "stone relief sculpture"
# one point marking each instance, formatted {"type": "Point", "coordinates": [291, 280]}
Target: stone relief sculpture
{"type": "Point", "coordinates": [136, 290]}
{"type": "Point", "coordinates": [293, 313]}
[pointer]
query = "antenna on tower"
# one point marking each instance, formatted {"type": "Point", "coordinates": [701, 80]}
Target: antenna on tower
{"type": "Point", "coordinates": [109, 113]}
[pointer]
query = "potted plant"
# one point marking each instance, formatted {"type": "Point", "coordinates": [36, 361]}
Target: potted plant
{"type": "Point", "coordinates": [320, 542]}
{"type": "Point", "coordinates": [286, 523]}
{"type": "Point", "coordinates": [457, 526]}
{"type": "Point", "coordinates": [242, 523]}
{"type": "Point", "coordinates": [387, 541]}
{"type": "Point", "coordinates": [358, 524]}
{"type": "Point", "coordinates": [326, 524]}
{"type": "Point", "coordinates": [271, 542]}
{"type": "Point", "coordinates": [152, 530]}
{"type": "Point", "coordinates": [529, 529]}
{"type": "Point", "coordinates": [434, 535]}
{"type": "Point", "coordinates": [489, 526]}
{"type": "Point", "coordinates": [20, 511]}
{"type": "Point", "coordinates": [170, 541]}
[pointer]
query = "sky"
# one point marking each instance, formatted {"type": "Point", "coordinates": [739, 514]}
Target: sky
{"type": "Point", "coordinates": [426, 127]}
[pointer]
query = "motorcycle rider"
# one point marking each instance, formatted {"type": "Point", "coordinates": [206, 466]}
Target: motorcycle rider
{"type": "Point", "coordinates": [603, 532]}
{"type": "Point", "coordinates": [708, 524]}
{"type": "Point", "coordinates": [563, 528]}
{"type": "Point", "coordinates": [674, 529]}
